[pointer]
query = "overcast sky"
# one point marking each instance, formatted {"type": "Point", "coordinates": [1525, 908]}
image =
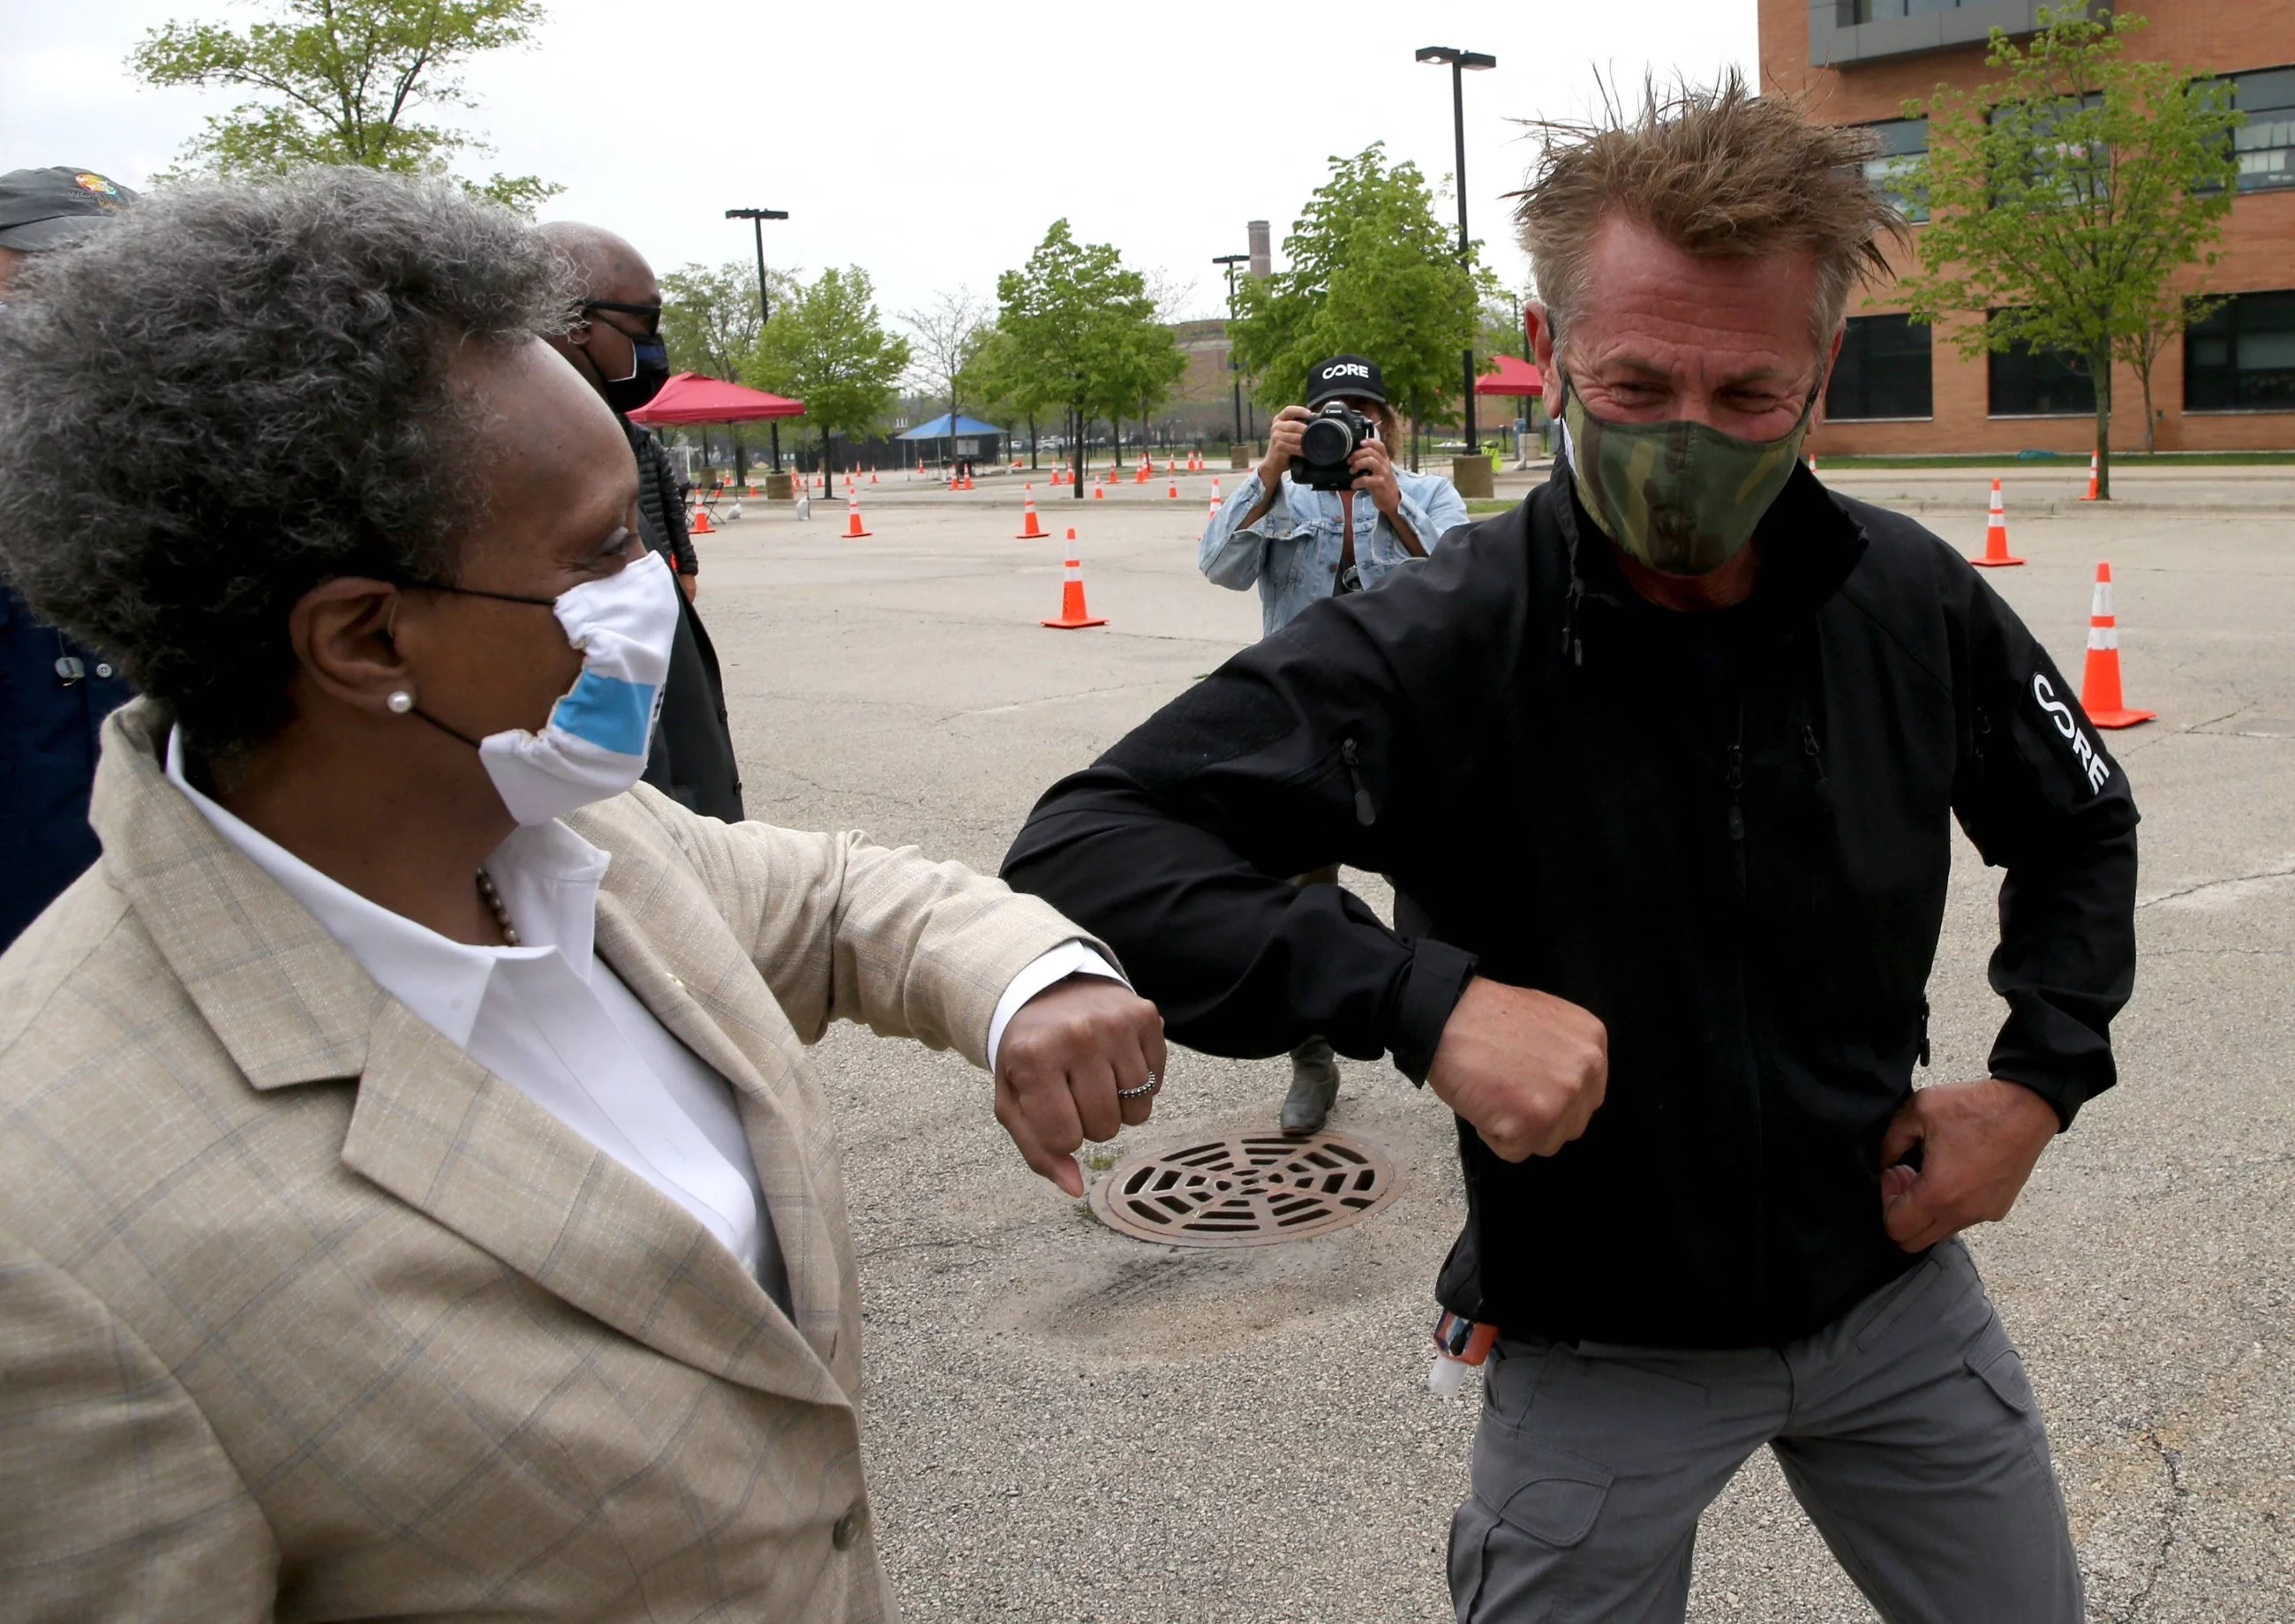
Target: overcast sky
{"type": "Point", "coordinates": [933, 144]}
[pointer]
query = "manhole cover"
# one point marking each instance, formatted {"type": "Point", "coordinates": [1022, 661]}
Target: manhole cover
{"type": "Point", "coordinates": [1245, 1189]}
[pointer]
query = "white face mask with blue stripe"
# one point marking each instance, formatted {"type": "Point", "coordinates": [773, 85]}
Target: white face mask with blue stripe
{"type": "Point", "coordinates": [594, 746]}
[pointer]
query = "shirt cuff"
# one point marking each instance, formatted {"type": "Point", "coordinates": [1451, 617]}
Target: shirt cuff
{"type": "Point", "coordinates": [1069, 959]}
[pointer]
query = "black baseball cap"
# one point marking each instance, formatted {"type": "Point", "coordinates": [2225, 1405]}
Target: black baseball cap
{"type": "Point", "coordinates": [1344, 375]}
{"type": "Point", "coordinates": [44, 208]}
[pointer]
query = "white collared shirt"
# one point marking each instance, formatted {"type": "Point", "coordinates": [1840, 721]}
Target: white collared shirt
{"type": "Point", "coordinates": [551, 1018]}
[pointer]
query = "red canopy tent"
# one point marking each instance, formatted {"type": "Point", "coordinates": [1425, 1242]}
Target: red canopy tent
{"type": "Point", "coordinates": [1510, 375]}
{"type": "Point", "coordinates": [689, 397]}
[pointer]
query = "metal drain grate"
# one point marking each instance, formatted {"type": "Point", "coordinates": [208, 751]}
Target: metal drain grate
{"type": "Point", "coordinates": [1245, 1189]}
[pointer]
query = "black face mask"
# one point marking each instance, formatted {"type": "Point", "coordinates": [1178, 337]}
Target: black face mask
{"type": "Point", "coordinates": [649, 363]}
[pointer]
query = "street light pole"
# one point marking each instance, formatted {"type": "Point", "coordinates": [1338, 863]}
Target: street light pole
{"type": "Point", "coordinates": [1460, 60]}
{"type": "Point", "coordinates": [757, 218]}
{"type": "Point", "coordinates": [1230, 261]}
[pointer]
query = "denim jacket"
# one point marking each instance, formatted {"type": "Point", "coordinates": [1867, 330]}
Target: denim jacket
{"type": "Point", "coordinates": [1293, 551]}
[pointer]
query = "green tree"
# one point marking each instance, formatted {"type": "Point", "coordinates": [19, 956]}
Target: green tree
{"type": "Point", "coordinates": [1072, 319]}
{"type": "Point", "coordinates": [1147, 361]}
{"type": "Point", "coordinates": [2066, 200]}
{"type": "Point", "coordinates": [1001, 387]}
{"type": "Point", "coordinates": [828, 346]}
{"type": "Point", "coordinates": [338, 82]}
{"type": "Point", "coordinates": [2146, 335]}
{"type": "Point", "coordinates": [710, 320]}
{"type": "Point", "coordinates": [1370, 271]}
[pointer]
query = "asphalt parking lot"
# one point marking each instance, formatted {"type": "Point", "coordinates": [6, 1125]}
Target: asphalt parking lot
{"type": "Point", "coordinates": [1067, 1424]}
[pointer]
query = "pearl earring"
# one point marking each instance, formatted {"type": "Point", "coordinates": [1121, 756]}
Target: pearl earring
{"type": "Point", "coordinates": [400, 702]}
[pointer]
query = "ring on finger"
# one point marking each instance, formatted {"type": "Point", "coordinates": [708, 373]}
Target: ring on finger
{"type": "Point", "coordinates": [1142, 1091]}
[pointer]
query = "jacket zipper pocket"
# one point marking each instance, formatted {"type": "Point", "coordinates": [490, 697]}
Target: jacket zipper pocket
{"type": "Point", "coordinates": [1822, 784]}
{"type": "Point", "coordinates": [1365, 814]}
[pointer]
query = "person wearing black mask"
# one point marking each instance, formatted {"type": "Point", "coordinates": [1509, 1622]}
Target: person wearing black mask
{"type": "Point", "coordinates": [54, 692]}
{"type": "Point", "coordinates": [615, 342]}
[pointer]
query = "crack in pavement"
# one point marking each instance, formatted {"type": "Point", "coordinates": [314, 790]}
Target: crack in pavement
{"type": "Point", "coordinates": [978, 1242]}
{"type": "Point", "coordinates": [2217, 885]}
{"type": "Point", "coordinates": [2178, 1502]}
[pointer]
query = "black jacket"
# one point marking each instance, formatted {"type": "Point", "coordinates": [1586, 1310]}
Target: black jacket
{"type": "Point", "coordinates": [691, 760]}
{"type": "Point", "coordinates": [54, 694]}
{"type": "Point", "coordinates": [1726, 834]}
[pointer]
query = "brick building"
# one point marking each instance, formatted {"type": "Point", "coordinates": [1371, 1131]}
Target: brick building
{"type": "Point", "coordinates": [1900, 387]}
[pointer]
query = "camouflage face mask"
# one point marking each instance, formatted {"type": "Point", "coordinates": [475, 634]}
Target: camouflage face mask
{"type": "Point", "coordinates": [1679, 496]}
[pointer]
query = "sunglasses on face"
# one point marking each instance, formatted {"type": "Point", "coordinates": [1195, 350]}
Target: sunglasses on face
{"type": "Point", "coordinates": [651, 313]}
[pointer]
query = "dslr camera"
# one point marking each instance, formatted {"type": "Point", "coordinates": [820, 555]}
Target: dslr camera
{"type": "Point", "coordinates": [1330, 437]}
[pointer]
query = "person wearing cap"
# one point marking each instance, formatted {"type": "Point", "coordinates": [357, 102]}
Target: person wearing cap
{"type": "Point", "coordinates": [54, 693]}
{"type": "Point", "coordinates": [1296, 544]}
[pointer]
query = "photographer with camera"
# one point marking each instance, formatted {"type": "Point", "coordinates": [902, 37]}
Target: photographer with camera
{"type": "Point", "coordinates": [1327, 512]}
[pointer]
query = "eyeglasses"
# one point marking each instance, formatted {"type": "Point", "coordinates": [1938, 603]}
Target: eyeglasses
{"type": "Point", "coordinates": [652, 312]}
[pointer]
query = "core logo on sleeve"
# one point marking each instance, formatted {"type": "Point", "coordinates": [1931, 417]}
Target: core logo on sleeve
{"type": "Point", "coordinates": [2090, 753]}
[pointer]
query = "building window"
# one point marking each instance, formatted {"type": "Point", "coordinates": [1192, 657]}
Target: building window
{"type": "Point", "coordinates": [1904, 143]}
{"type": "Point", "coordinates": [1880, 11]}
{"type": "Point", "coordinates": [2264, 145]}
{"type": "Point", "coordinates": [2241, 358]}
{"type": "Point", "coordinates": [1882, 371]}
{"type": "Point", "coordinates": [2028, 382]}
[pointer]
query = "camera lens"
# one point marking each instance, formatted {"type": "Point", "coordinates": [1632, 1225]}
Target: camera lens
{"type": "Point", "coordinates": [1327, 440]}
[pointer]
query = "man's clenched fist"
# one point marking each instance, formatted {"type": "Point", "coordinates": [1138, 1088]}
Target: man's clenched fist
{"type": "Point", "coordinates": [1064, 1054]}
{"type": "Point", "coordinates": [1525, 1068]}
{"type": "Point", "coordinates": [1979, 1142]}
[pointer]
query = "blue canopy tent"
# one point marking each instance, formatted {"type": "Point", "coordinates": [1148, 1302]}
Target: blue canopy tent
{"type": "Point", "coordinates": [972, 441]}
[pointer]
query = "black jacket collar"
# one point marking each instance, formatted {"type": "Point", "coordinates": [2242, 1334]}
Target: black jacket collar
{"type": "Point", "coordinates": [1809, 541]}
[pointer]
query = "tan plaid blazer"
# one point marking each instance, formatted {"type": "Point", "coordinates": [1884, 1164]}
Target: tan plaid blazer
{"type": "Point", "coordinates": [305, 1314]}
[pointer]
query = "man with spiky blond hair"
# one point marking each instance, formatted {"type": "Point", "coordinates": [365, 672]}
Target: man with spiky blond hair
{"type": "Point", "coordinates": [1669, 757]}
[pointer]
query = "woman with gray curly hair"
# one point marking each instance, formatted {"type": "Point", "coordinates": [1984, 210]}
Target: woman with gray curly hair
{"type": "Point", "coordinates": [413, 1196]}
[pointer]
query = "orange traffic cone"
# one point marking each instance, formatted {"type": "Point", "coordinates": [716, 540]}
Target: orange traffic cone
{"type": "Point", "coordinates": [853, 517]}
{"type": "Point", "coordinates": [2100, 695]}
{"type": "Point", "coordinates": [2094, 473]}
{"type": "Point", "coordinates": [753, 489]}
{"type": "Point", "coordinates": [872, 476]}
{"type": "Point", "coordinates": [1099, 490]}
{"type": "Point", "coordinates": [1030, 530]}
{"type": "Point", "coordinates": [1145, 465]}
{"type": "Point", "coordinates": [1174, 491]}
{"type": "Point", "coordinates": [1996, 536]}
{"type": "Point", "coordinates": [701, 524]}
{"type": "Point", "coordinates": [1812, 463]}
{"type": "Point", "coordinates": [1073, 613]}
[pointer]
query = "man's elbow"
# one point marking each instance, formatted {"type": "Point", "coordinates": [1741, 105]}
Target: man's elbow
{"type": "Point", "coordinates": [1230, 566]}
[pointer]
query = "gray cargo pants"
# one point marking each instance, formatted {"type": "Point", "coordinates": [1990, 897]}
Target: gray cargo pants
{"type": "Point", "coordinates": [1905, 1429]}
